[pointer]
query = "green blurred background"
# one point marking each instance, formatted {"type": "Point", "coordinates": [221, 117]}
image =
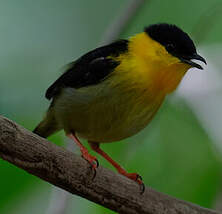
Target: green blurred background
{"type": "Point", "coordinates": [174, 154]}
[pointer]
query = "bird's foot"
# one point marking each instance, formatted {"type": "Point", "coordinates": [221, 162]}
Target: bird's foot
{"type": "Point", "coordinates": [91, 159]}
{"type": "Point", "coordinates": [85, 154]}
{"type": "Point", "coordinates": [135, 177]}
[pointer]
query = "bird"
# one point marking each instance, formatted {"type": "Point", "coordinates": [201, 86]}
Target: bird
{"type": "Point", "coordinates": [114, 91]}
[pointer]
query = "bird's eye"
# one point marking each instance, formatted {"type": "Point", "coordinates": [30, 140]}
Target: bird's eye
{"type": "Point", "coordinates": [170, 47]}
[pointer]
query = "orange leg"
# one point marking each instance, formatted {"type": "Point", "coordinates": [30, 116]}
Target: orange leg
{"type": "Point", "coordinates": [132, 176]}
{"type": "Point", "coordinates": [85, 154]}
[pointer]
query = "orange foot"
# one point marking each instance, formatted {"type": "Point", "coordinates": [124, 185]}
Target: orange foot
{"type": "Point", "coordinates": [133, 176]}
{"type": "Point", "coordinates": [91, 159]}
{"type": "Point", "coordinates": [85, 154]}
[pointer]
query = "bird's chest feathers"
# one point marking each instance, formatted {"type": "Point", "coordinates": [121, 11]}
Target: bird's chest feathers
{"type": "Point", "coordinates": [167, 79]}
{"type": "Point", "coordinates": [153, 76]}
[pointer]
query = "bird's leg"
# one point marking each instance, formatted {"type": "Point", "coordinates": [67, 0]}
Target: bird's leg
{"type": "Point", "coordinates": [132, 176]}
{"type": "Point", "coordinates": [85, 154]}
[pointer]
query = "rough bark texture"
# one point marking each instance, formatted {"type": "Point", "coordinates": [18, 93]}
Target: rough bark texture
{"type": "Point", "coordinates": [72, 173]}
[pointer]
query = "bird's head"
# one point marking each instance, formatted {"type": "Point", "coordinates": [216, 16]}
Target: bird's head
{"type": "Point", "coordinates": [177, 43]}
{"type": "Point", "coordinates": [164, 53]}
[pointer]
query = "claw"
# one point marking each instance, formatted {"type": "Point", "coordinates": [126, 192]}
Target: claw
{"type": "Point", "coordinates": [135, 177]}
{"type": "Point", "coordinates": [142, 188]}
{"type": "Point", "coordinates": [94, 174]}
{"type": "Point", "coordinates": [94, 166]}
{"type": "Point", "coordinates": [94, 163]}
{"type": "Point", "coordinates": [97, 163]}
{"type": "Point", "coordinates": [139, 177]}
{"type": "Point", "coordinates": [92, 160]}
{"type": "Point", "coordinates": [139, 180]}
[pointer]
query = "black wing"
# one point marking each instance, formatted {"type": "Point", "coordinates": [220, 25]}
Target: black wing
{"type": "Point", "coordinates": [89, 69]}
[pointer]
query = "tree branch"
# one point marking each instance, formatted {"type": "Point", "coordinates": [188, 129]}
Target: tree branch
{"type": "Point", "coordinates": [72, 173]}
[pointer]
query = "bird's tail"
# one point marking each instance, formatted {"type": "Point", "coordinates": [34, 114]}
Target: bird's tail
{"type": "Point", "coordinates": [47, 126]}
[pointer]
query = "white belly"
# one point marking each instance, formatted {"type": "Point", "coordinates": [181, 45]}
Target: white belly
{"type": "Point", "coordinates": [102, 114]}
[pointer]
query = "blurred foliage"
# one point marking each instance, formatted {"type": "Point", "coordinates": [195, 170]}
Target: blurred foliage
{"type": "Point", "coordinates": [173, 154]}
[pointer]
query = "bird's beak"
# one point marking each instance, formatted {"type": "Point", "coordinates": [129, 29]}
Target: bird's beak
{"type": "Point", "coordinates": [188, 60]}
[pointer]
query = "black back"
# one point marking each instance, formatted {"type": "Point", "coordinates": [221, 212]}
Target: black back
{"type": "Point", "coordinates": [89, 69]}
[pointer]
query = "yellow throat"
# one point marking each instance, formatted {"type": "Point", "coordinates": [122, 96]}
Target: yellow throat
{"type": "Point", "coordinates": [147, 62]}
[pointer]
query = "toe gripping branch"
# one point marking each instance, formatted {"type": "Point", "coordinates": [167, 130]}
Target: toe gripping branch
{"type": "Point", "coordinates": [94, 162]}
{"type": "Point", "coordinates": [85, 154]}
{"type": "Point", "coordinates": [133, 176]}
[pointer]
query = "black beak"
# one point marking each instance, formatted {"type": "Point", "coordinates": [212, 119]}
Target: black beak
{"type": "Point", "coordinates": [187, 60]}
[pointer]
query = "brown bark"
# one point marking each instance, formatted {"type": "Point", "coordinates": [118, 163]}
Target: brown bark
{"type": "Point", "coordinates": [72, 173]}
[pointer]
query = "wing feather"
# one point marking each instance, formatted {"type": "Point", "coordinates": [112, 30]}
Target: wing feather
{"type": "Point", "coordinates": [89, 69]}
